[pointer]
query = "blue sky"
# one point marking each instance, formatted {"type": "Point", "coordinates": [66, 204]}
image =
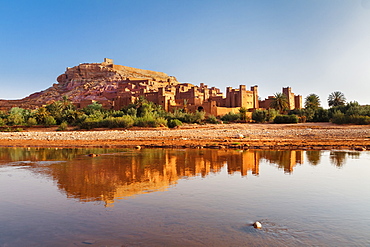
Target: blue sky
{"type": "Point", "coordinates": [313, 46]}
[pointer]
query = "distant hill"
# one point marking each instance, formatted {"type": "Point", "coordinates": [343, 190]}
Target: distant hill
{"type": "Point", "coordinates": [88, 81]}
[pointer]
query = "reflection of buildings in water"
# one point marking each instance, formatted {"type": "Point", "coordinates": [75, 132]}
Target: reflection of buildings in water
{"type": "Point", "coordinates": [286, 159]}
{"type": "Point", "coordinates": [116, 176]}
{"type": "Point", "coordinates": [109, 177]}
{"type": "Point", "coordinates": [122, 175]}
{"type": "Point", "coordinates": [244, 162]}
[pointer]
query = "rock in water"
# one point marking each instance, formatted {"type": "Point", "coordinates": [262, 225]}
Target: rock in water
{"type": "Point", "coordinates": [257, 224]}
{"type": "Point", "coordinates": [93, 155]}
{"type": "Point", "coordinates": [239, 136]}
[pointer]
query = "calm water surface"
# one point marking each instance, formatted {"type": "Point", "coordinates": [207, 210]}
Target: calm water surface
{"type": "Point", "coordinates": [162, 197]}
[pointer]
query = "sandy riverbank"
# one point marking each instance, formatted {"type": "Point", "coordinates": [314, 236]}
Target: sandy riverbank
{"type": "Point", "coordinates": [242, 136]}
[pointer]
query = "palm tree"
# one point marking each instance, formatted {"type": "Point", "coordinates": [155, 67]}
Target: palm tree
{"type": "Point", "coordinates": [41, 114]}
{"type": "Point", "coordinates": [280, 102]}
{"type": "Point", "coordinates": [312, 101]}
{"type": "Point", "coordinates": [336, 98]}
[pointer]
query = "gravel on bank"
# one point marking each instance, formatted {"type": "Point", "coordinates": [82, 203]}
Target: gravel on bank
{"type": "Point", "coordinates": [245, 134]}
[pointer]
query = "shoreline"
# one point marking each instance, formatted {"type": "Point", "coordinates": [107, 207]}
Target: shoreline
{"type": "Point", "coordinates": [304, 136]}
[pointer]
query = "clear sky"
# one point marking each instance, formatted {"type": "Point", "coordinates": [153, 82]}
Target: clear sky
{"type": "Point", "coordinates": [313, 46]}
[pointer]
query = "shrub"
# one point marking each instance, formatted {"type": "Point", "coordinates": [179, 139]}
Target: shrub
{"type": "Point", "coordinates": [63, 126]}
{"type": "Point", "coordinates": [260, 116]}
{"type": "Point", "coordinates": [302, 119]}
{"type": "Point", "coordinates": [125, 121]}
{"type": "Point", "coordinates": [309, 113]}
{"type": "Point", "coordinates": [115, 122]}
{"type": "Point", "coordinates": [8, 129]}
{"type": "Point", "coordinates": [49, 120]}
{"type": "Point", "coordinates": [174, 123]}
{"type": "Point", "coordinates": [357, 119]}
{"type": "Point", "coordinates": [339, 118]}
{"type": "Point", "coordinates": [90, 123]}
{"type": "Point", "coordinates": [160, 121]}
{"type": "Point", "coordinates": [93, 108]}
{"type": "Point", "coordinates": [31, 121]}
{"type": "Point", "coordinates": [81, 117]}
{"type": "Point", "coordinates": [196, 117]}
{"type": "Point", "coordinates": [108, 122]}
{"type": "Point", "coordinates": [286, 119]}
{"type": "Point", "coordinates": [15, 119]}
{"type": "Point", "coordinates": [132, 112]}
{"type": "Point", "coordinates": [177, 114]}
{"type": "Point", "coordinates": [212, 119]}
{"type": "Point", "coordinates": [145, 121]}
{"type": "Point", "coordinates": [271, 114]}
{"type": "Point", "coordinates": [2, 122]}
{"type": "Point", "coordinates": [321, 115]}
{"type": "Point", "coordinates": [150, 121]}
{"type": "Point", "coordinates": [230, 117]}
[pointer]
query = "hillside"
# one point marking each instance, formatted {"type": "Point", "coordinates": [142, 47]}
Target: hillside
{"type": "Point", "coordinates": [88, 81]}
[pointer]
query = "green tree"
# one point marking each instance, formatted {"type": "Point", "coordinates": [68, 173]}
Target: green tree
{"type": "Point", "coordinates": [55, 109]}
{"type": "Point", "coordinates": [243, 113]}
{"type": "Point", "coordinates": [17, 116]}
{"type": "Point", "coordinates": [93, 109]}
{"type": "Point", "coordinates": [2, 122]}
{"type": "Point", "coordinates": [271, 114]}
{"type": "Point", "coordinates": [41, 114]}
{"type": "Point", "coordinates": [63, 126]}
{"type": "Point", "coordinates": [260, 116]}
{"type": "Point", "coordinates": [229, 117]}
{"type": "Point", "coordinates": [145, 108]}
{"type": "Point", "coordinates": [312, 101]}
{"type": "Point", "coordinates": [280, 102]}
{"type": "Point", "coordinates": [321, 115]}
{"type": "Point", "coordinates": [336, 99]}
{"type": "Point", "coordinates": [31, 121]}
{"type": "Point", "coordinates": [49, 120]}
{"type": "Point", "coordinates": [63, 110]}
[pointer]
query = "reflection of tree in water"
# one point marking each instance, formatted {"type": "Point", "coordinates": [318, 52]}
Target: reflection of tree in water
{"type": "Point", "coordinates": [338, 158]}
{"type": "Point", "coordinates": [313, 157]}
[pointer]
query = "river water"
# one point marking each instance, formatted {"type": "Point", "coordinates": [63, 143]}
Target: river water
{"type": "Point", "coordinates": [159, 197]}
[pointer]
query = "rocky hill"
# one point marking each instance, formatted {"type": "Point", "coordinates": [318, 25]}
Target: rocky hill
{"type": "Point", "coordinates": [88, 81]}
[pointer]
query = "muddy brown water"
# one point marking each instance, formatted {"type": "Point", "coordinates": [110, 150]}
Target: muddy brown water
{"type": "Point", "coordinates": [162, 197]}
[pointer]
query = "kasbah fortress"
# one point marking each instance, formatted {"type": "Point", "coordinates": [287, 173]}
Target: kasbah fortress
{"type": "Point", "coordinates": [115, 86]}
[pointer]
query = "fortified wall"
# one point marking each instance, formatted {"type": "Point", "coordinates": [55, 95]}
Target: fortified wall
{"type": "Point", "coordinates": [294, 101]}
